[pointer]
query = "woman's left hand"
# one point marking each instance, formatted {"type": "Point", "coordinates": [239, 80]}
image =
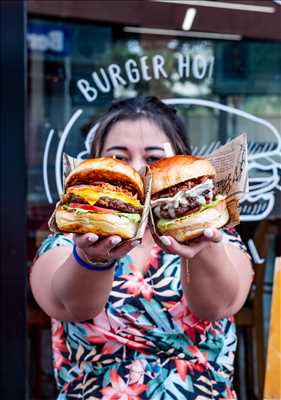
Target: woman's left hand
{"type": "Point", "coordinates": [190, 249]}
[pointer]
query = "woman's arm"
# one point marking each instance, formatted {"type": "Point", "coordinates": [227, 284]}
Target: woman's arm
{"type": "Point", "coordinates": [218, 277]}
{"type": "Point", "coordinates": [65, 290]}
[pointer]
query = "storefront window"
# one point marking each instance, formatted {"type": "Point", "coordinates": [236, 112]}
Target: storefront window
{"type": "Point", "coordinates": [221, 88]}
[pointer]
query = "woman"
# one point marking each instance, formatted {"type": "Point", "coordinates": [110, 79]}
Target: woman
{"type": "Point", "coordinates": [141, 329]}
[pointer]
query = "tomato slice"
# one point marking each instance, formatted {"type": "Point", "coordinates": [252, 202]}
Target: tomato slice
{"type": "Point", "coordinates": [92, 208]}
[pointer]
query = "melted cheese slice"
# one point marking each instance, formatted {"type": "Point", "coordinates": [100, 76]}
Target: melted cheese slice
{"type": "Point", "coordinates": [92, 196]}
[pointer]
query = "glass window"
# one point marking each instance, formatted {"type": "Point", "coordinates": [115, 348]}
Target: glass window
{"type": "Point", "coordinates": [220, 88]}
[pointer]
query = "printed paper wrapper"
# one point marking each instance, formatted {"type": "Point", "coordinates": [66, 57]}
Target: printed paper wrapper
{"type": "Point", "coordinates": [69, 163]}
{"type": "Point", "coordinates": [230, 163]}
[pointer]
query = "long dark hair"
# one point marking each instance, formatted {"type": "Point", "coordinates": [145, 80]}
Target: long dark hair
{"type": "Point", "coordinates": [149, 107]}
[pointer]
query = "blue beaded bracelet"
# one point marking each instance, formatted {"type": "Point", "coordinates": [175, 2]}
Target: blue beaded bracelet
{"type": "Point", "coordinates": [92, 267]}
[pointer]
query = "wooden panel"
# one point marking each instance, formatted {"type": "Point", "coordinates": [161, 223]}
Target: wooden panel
{"type": "Point", "coordinates": [145, 13]}
{"type": "Point", "coordinates": [121, 11]}
{"type": "Point", "coordinates": [273, 365]}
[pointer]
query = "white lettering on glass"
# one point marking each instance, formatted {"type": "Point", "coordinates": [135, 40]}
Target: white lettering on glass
{"type": "Point", "coordinates": [211, 66]}
{"type": "Point", "coordinates": [188, 66]}
{"type": "Point", "coordinates": [115, 74]}
{"type": "Point", "coordinates": [183, 66]}
{"type": "Point", "coordinates": [199, 66]}
{"type": "Point", "coordinates": [56, 41]}
{"type": "Point", "coordinates": [89, 92]}
{"type": "Point", "coordinates": [104, 86]}
{"type": "Point", "coordinates": [53, 40]}
{"type": "Point", "coordinates": [144, 68]}
{"type": "Point", "coordinates": [158, 63]}
{"type": "Point", "coordinates": [132, 71]}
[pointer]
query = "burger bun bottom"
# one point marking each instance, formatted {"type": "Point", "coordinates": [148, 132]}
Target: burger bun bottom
{"type": "Point", "coordinates": [193, 225]}
{"type": "Point", "coordinates": [98, 223]}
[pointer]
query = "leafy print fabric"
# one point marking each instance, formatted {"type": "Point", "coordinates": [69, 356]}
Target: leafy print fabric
{"type": "Point", "coordinates": [146, 344]}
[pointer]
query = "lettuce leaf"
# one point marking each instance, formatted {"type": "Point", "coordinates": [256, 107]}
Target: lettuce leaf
{"type": "Point", "coordinates": [132, 217]}
{"type": "Point", "coordinates": [164, 223]}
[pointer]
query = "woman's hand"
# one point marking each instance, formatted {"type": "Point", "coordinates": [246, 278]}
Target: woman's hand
{"type": "Point", "coordinates": [192, 248]}
{"type": "Point", "coordinates": [91, 247]}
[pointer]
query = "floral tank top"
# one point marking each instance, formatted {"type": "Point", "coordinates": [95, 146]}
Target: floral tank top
{"type": "Point", "coordinates": [146, 344]}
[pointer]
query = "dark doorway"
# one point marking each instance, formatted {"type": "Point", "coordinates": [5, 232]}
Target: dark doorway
{"type": "Point", "coordinates": [13, 201]}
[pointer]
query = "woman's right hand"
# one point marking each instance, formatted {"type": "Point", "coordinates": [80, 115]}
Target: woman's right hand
{"type": "Point", "coordinates": [106, 250]}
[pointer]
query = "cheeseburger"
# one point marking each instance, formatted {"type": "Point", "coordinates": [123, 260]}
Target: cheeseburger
{"type": "Point", "coordinates": [101, 196]}
{"type": "Point", "coordinates": [184, 198]}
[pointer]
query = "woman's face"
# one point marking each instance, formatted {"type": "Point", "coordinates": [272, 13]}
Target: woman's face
{"type": "Point", "coordinates": [137, 142]}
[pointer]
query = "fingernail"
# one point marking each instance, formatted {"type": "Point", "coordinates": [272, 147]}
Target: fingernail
{"type": "Point", "coordinates": [208, 233]}
{"type": "Point", "coordinates": [165, 240]}
{"type": "Point", "coordinates": [93, 238]}
{"type": "Point", "coordinates": [116, 240]}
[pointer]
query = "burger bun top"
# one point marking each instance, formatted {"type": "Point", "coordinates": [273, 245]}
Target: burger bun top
{"type": "Point", "coordinates": [106, 169]}
{"type": "Point", "coordinates": [170, 171]}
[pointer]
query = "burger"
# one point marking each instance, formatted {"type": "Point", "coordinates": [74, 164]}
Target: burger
{"type": "Point", "coordinates": [184, 198]}
{"type": "Point", "coordinates": [102, 196]}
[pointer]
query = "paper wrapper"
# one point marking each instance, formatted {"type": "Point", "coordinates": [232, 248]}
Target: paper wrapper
{"type": "Point", "coordinates": [69, 163]}
{"type": "Point", "coordinates": [230, 163]}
